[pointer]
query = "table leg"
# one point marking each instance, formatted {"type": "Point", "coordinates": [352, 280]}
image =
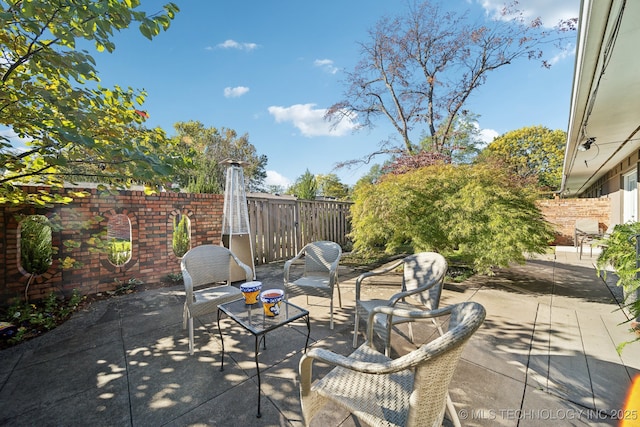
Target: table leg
{"type": "Point", "coordinates": [264, 342]}
{"type": "Point", "coordinates": [258, 371]}
{"type": "Point", "coordinates": [221, 343]}
{"type": "Point", "coordinates": [306, 343]}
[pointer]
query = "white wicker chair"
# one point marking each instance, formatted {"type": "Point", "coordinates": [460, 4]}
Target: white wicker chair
{"type": "Point", "coordinates": [204, 265]}
{"type": "Point", "coordinates": [320, 274]}
{"type": "Point", "coordinates": [411, 390]}
{"type": "Point", "coordinates": [422, 280]}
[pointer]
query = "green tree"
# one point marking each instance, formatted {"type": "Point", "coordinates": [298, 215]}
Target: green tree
{"type": "Point", "coordinates": [371, 177]}
{"type": "Point", "coordinates": [473, 212]}
{"type": "Point", "coordinates": [276, 189]}
{"type": "Point", "coordinates": [330, 186]}
{"type": "Point", "coordinates": [463, 144]}
{"type": "Point", "coordinates": [533, 153]}
{"type": "Point", "coordinates": [419, 69]}
{"type": "Point", "coordinates": [50, 96]}
{"type": "Point", "coordinates": [210, 146]}
{"type": "Point", "coordinates": [305, 187]}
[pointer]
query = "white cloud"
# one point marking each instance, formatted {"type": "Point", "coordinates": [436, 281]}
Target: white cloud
{"type": "Point", "coordinates": [274, 178]}
{"type": "Point", "coordinates": [232, 44]}
{"type": "Point", "coordinates": [326, 65]}
{"type": "Point", "coordinates": [487, 135]}
{"type": "Point", "coordinates": [310, 121]}
{"type": "Point", "coordinates": [235, 92]}
{"type": "Point", "coordinates": [569, 51]}
{"type": "Point", "coordinates": [550, 11]}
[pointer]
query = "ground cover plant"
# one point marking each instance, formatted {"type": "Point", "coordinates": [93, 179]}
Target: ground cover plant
{"type": "Point", "coordinates": [23, 320]}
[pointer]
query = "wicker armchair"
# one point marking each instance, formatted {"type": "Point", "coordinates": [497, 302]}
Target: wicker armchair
{"type": "Point", "coordinates": [204, 265]}
{"type": "Point", "coordinates": [320, 274]}
{"type": "Point", "coordinates": [411, 390]}
{"type": "Point", "coordinates": [422, 280]}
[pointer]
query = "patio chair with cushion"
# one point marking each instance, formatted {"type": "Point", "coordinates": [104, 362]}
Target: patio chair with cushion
{"type": "Point", "coordinates": [208, 265]}
{"type": "Point", "coordinates": [320, 273]}
{"type": "Point", "coordinates": [422, 280]}
{"type": "Point", "coordinates": [411, 390]}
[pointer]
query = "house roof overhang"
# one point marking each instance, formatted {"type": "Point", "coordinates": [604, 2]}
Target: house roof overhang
{"type": "Point", "coordinates": [605, 100]}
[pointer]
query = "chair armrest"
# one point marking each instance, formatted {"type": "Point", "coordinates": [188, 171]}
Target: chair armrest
{"type": "Point", "coordinates": [331, 358]}
{"type": "Point", "coordinates": [287, 265]}
{"type": "Point", "coordinates": [374, 273]}
{"type": "Point", "coordinates": [188, 286]}
{"type": "Point", "coordinates": [401, 295]}
{"type": "Point", "coordinates": [390, 312]}
{"type": "Point", "coordinates": [247, 270]}
{"type": "Point", "coordinates": [385, 366]}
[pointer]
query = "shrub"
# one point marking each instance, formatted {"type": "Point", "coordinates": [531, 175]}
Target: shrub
{"type": "Point", "coordinates": [119, 251]}
{"type": "Point", "coordinates": [36, 251]}
{"type": "Point", "coordinates": [181, 238]}
{"type": "Point", "coordinates": [619, 252]}
{"type": "Point", "coordinates": [473, 212]}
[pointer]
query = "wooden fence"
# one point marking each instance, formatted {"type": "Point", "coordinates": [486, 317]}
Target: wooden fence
{"type": "Point", "coordinates": [282, 227]}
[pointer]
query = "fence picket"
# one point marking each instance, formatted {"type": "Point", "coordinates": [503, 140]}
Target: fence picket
{"type": "Point", "coordinates": [281, 228]}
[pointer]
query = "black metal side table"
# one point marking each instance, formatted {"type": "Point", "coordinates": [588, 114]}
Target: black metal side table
{"type": "Point", "coordinates": [253, 319]}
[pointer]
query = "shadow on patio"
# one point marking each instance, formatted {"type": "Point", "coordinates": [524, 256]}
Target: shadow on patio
{"type": "Point", "coordinates": [546, 348]}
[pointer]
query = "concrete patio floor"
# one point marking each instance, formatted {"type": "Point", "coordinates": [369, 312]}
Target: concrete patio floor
{"type": "Point", "coordinates": [546, 355]}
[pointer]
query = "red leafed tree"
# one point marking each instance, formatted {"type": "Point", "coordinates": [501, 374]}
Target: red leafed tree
{"type": "Point", "coordinates": [419, 69]}
{"type": "Point", "coordinates": [408, 162]}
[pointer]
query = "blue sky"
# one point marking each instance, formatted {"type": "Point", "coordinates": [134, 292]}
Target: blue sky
{"type": "Point", "coordinates": [271, 68]}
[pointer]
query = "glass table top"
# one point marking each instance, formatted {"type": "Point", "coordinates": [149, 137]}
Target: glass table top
{"type": "Point", "coordinates": [253, 318]}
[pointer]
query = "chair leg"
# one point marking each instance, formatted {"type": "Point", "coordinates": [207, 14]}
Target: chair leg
{"type": "Point", "coordinates": [387, 339]}
{"type": "Point", "coordinates": [411, 332]}
{"type": "Point", "coordinates": [191, 336]}
{"type": "Point", "coordinates": [452, 412]}
{"type": "Point", "coordinates": [331, 314]}
{"type": "Point", "coordinates": [355, 329]}
{"type": "Point", "coordinates": [339, 295]}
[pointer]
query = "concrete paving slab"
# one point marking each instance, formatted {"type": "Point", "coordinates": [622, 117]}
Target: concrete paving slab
{"type": "Point", "coordinates": [53, 386]}
{"type": "Point", "coordinates": [91, 407]}
{"type": "Point", "coordinates": [568, 369]}
{"type": "Point", "coordinates": [507, 331]}
{"type": "Point", "coordinates": [124, 361]}
{"type": "Point", "coordinates": [538, 363]}
{"type": "Point", "coordinates": [541, 409]}
{"type": "Point", "coordinates": [480, 394]}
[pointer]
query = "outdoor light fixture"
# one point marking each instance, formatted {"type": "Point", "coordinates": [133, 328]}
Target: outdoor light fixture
{"type": "Point", "coordinates": [587, 144]}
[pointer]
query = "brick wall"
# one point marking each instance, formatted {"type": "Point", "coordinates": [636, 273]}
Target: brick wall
{"type": "Point", "coordinates": [150, 219]}
{"type": "Point", "coordinates": [151, 222]}
{"type": "Point", "coordinates": [563, 213]}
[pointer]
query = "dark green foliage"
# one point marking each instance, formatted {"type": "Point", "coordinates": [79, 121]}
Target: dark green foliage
{"type": "Point", "coordinates": [619, 252]}
{"type": "Point", "coordinates": [466, 212]}
{"type": "Point", "coordinates": [36, 250]}
{"type": "Point", "coordinates": [305, 187]}
{"type": "Point", "coordinates": [34, 319]}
